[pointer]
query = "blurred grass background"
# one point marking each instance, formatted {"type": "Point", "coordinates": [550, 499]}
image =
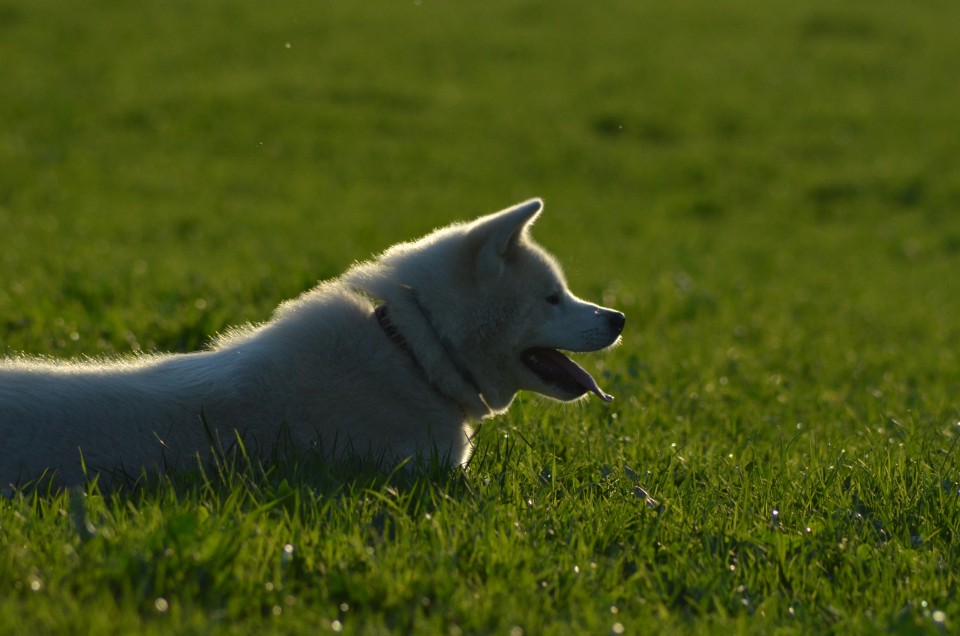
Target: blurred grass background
{"type": "Point", "coordinates": [769, 190]}
{"type": "Point", "coordinates": [156, 154]}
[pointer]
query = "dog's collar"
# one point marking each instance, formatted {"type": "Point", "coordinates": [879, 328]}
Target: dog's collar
{"type": "Point", "coordinates": [382, 314]}
{"type": "Point", "coordinates": [390, 329]}
{"type": "Point", "coordinates": [383, 317]}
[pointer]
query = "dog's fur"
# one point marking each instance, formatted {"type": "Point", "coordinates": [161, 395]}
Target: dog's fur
{"type": "Point", "coordinates": [467, 314]}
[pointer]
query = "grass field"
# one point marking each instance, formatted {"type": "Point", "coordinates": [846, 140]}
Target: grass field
{"type": "Point", "coordinates": [768, 190]}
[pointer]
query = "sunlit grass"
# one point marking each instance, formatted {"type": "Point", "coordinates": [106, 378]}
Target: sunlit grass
{"type": "Point", "coordinates": [768, 191]}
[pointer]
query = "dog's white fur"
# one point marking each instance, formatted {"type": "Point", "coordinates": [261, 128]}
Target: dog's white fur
{"type": "Point", "coordinates": [465, 302]}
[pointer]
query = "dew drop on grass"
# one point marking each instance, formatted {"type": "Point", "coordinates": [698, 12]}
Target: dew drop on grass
{"type": "Point", "coordinates": [287, 555]}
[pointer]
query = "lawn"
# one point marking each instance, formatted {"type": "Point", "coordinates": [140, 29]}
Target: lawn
{"type": "Point", "coordinates": [768, 190]}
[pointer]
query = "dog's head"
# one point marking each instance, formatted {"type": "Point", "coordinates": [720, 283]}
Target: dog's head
{"type": "Point", "coordinates": [499, 305]}
{"type": "Point", "coordinates": [536, 315]}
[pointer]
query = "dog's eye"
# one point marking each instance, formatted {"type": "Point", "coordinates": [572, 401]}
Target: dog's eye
{"type": "Point", "coordinates": [554, 298]}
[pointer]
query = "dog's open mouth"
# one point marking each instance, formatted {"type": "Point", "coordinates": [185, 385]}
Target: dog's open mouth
{"type": "Point", "coordinates": [554, 368]}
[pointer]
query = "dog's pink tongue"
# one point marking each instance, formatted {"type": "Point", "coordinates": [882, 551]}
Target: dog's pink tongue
{"type": "Point", "coordinates": [579, 374]}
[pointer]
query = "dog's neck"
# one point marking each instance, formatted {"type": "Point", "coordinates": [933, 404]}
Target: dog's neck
{"type": "Point", "coordinates": [477, 406]}
{"type": "Point", "coordinates": [447, 347]}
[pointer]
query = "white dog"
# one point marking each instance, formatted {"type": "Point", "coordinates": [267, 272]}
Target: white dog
{"type": "Point", "coordinates": [391, 361]}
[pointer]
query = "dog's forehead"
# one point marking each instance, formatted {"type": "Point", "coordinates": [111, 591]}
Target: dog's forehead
{"type": "Point", "coordinates": [536, 264]}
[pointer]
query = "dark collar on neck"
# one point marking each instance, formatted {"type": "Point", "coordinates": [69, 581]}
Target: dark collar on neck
{"type": "Point", "coordinates": [383, 318]}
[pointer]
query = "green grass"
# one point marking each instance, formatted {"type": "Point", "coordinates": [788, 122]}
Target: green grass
{"type": "Point", "coordinates": [768, 190]}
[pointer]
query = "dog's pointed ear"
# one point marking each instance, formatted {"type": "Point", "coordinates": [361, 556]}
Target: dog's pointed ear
{"type": "Point", "coordinates": [507, 226]}
{"type": "Point", "coordinates": [500, 232]}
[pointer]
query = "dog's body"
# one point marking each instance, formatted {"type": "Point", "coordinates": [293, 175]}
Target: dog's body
{"type": "Point", "coordinates": [391, 361]}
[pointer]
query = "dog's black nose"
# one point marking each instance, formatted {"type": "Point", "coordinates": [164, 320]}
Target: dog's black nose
{"type": "Point", "coordinates": [617, 320]}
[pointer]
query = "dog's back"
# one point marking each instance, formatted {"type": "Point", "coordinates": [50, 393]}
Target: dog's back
{"type": "Point", "coordinates": [322, 374]}
{"type": "Point", "coordinates": [109, 416]}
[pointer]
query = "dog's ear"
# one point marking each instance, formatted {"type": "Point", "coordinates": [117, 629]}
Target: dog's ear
{"type": "Point", "coordinates": [506, 227]}
{"type": "Point", "coordinates": [499, 233]}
